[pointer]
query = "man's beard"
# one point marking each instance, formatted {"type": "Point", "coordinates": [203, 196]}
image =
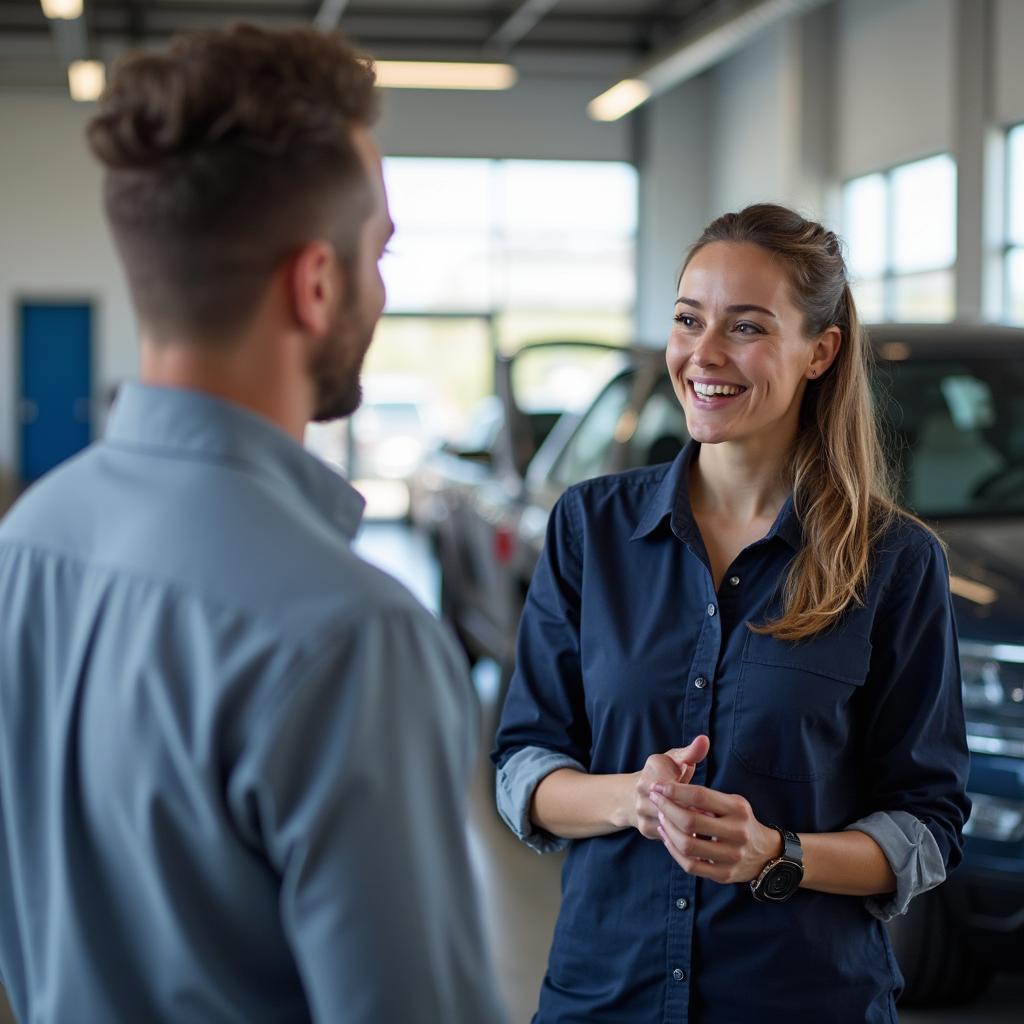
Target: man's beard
{"type": "Point", "coordinates": [336, 367]}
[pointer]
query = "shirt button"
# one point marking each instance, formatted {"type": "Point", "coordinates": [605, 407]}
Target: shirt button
{"type": "Point", "coordinates": [700, 682]}
{"type": "Point", "coordinates": [679, 975]}
{"type": "Point", "coordinates": [682, 904]}
{"type": "Point", "coordinates": [734, 581]}
{"type": "Point", "coordinates": [711, 609]}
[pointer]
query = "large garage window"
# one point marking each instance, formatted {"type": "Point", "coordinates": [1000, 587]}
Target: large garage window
{"type": "Point", "coordinates": [900, 228]}
{"type": "Point", "coordinates": [507, 252]}
{"type": "Point", "coordinates": [545, 247]}
{"type": "Point", "coordinates": [1015, 225]}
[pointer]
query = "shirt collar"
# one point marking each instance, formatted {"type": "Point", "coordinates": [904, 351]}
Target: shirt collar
{"type": "Point", "coordinates": [672, 501]}
{"type": "Point", "coordinates": [197, 424]}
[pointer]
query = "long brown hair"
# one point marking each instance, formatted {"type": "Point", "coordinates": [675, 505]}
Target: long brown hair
{"type": "Point", "coordinates": [842, 486]}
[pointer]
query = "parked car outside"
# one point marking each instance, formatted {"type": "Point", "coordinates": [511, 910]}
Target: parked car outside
{"type": "Point", "coordinates": [541, 384]}
{"type": "Point", "coordinates": [951, 398]}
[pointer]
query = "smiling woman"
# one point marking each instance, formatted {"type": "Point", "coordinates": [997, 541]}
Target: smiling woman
{"type": "Point", "coordinates": [736, 680]}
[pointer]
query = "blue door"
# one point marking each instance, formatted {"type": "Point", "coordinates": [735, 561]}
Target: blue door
{"type": "Point", "coordinates": [56, 384]}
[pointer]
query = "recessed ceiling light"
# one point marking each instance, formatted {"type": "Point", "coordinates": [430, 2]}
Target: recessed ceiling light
{"type": "Point", "coordinates": [86, 80]}
{"type": "Point", "coordinates": [63, 10]}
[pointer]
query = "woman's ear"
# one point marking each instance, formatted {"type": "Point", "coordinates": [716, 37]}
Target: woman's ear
{"type": "Point", "coordinates": [824, 350]}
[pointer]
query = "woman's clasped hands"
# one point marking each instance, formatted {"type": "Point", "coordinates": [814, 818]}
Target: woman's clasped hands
{"type": "Point", "coordinates": [710, 834]}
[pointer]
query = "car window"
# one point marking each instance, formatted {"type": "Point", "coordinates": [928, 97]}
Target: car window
{"type": "Point", "coordinates": [660, 428]}
{"type": "Point", "coordinates": [957, 434]}
{"type": "Point", "coordinates": [587, 452]}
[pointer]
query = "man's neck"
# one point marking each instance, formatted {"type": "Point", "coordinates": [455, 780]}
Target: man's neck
{"type": "Point", "coordinates": [244, 373]}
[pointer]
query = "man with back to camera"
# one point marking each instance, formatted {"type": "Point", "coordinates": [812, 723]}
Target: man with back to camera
{"type": "Point", "coordinates": [233, 757]}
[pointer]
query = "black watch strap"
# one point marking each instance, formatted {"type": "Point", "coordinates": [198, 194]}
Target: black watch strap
{"type": "Point", "coordinates": [791, 848]}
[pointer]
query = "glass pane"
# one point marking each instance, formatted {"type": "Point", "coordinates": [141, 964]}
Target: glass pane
{"type": "Point", "coordinates": [587, 453]}
{"type": "Point", "coordinates": [924, 215]}
{"type": "Point", "coordinates": [960, 427]}
{"type": "Point", "coordinates": [562, 377]}
{"type": "Point", "coordinates": [441, 271]}
{"type": "Point", "coordinates": [430, 193]}
{"type": "Point", "coordinates": [549, 197]}
{"type": "Point", "coordinates": [660, 430]}
{"type": "Point", "coordinates": [864, 222]}
{"type": "Point", "coordinates": [1015, 147]}
{"type": "Point", "coordinates": [870, 299]}
{"type": "Point", "coordinates": [924, 298]}
{"type": "Point", "coordinates": [549, 275]}
{"type": "Point", "coordinates": [1015, 286]}
{"type": "Point", "coordinates": [448, 361]}
{"type": "Point", "coordinates": [568, 233]}
{"type": "Point", "coordinates": [522, 327]}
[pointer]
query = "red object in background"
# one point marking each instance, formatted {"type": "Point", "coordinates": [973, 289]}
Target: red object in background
{"type": "Point", "coordinates": [504, 544]}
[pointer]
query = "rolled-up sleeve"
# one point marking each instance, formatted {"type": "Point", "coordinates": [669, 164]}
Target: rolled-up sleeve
{"type": "Point", "coordinates": [517, 779]}
{"type": "Point", "coordinates": [544, 724]}
{"type": "Point", "coordinates": [913, 856]}
{"type": "Point", "coordinates": [916, 758]}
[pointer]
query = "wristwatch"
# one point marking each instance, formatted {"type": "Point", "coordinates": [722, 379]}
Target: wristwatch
{"type": "Point", "coordinates": [781, 877]}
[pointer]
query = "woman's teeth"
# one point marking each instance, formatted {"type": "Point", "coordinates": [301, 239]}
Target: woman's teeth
{"type": "Point", "coordinates": [711, 390]}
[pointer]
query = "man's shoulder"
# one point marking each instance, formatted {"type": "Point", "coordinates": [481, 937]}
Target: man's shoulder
{"type": "Point", "coordinates": [229, 543]}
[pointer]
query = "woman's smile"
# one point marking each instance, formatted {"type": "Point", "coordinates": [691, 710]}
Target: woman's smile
{"type": "Point", "coordinates": [712, 393]}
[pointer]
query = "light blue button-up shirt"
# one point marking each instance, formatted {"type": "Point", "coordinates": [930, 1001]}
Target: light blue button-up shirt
{"type": "Point", "coordinates": [233, 756]}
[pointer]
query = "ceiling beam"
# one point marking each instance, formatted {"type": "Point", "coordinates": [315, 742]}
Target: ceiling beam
{"type": "Point", "coordinates": [519, 24]}
{"type": "Point", "coordinates": [328, 17]}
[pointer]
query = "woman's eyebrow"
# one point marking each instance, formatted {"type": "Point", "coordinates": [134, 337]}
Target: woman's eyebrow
{"type": "Point", "coordinates": [746, 307]}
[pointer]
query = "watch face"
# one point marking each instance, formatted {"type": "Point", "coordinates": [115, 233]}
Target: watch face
{"type": "Point", "coordinates": [781, 882]}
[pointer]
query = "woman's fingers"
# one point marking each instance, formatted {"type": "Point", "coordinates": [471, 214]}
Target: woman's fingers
{"type": "Point", "coordinates": [692, 865]}
{"type": "Point", "coordinates": [692, 755]}
{"type": "Point", "coordinates": [695, 821]}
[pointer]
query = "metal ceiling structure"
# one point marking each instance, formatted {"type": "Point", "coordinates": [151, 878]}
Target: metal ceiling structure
{"type": "Point", "coordinates": [560, 36]}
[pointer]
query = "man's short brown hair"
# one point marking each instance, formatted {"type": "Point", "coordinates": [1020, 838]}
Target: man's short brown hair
{"type": "Point", "coordinates": [225, 154]}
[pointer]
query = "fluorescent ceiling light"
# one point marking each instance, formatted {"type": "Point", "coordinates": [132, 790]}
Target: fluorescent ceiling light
{"type": "Point", "coordinates": [86, 80]}
{"type": "Point", "coordinates": [713, 39]}
{"type": "Point", "coordinates": [63, 10]}
{"type": "Point", "coordinates": [619, 100]}
{"type": "Point", "coordinates": [423, 74]}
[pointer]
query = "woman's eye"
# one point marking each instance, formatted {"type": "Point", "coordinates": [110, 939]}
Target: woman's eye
{"type": "Point", "coordinates": [747, 328]}
{"type": "Point", "coordinates": [685, 319]}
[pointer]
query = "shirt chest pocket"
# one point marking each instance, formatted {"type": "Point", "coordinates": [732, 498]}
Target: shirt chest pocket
{"type": "Point", "coordinates": [793, 714]}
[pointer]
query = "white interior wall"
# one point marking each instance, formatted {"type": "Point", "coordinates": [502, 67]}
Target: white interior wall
{"type": "Point", "coordinates": [674, 198]}
{"type": "Point", "coordinates": [54, 245]}
{"type": "Point", "coordinates": [1008, 68]}
{"type": "Point", "coordinates": [754, 121]}
{"type": "Point", "coordinates": [541, 117]}
{"type": "Point", "coordinates": [896, 86]}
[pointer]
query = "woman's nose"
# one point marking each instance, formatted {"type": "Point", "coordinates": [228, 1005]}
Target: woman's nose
{"type": "Point", "coordinates": [708, 350]}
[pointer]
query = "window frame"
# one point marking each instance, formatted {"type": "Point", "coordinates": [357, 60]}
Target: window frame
{"type": "Point", "coordinates": [1010, 246]}
{"type": "Point", "coordinates": [890, 278]}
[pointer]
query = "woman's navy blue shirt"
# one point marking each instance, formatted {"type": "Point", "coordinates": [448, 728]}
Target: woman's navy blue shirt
{"type": "Point", "coordinates": [625, 649]}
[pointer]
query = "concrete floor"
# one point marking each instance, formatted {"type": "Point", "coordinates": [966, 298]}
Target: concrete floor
{"type": "Point", "coordinates": [521, 889]}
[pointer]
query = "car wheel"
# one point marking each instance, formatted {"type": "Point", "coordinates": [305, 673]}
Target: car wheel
{"type": "Point", "coordinates": [939, 967]}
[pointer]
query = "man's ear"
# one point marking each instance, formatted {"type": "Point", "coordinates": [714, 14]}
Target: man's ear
{"type": "Point", "coordinates": [315, 284]}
